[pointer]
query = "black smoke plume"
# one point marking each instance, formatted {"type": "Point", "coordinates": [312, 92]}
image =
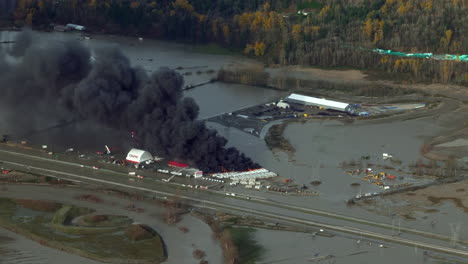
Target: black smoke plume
{"type": "Point", "coordinates": [59, 79]}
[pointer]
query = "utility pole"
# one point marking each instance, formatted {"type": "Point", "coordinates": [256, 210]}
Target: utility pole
{"type": "Point", "coordinates": [399, 225]}
{"type": "Point", "coordinates": [455, 231]}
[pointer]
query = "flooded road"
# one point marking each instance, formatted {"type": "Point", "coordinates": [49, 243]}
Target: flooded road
{"type": "Point", "coordinates": [288, 247]}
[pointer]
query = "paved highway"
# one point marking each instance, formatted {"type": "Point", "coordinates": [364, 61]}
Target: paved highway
{"type": "Point", "coordinates": [77, 172]}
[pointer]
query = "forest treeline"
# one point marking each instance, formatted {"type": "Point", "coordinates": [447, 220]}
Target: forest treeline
{"type": "Point", "coordinates": [327, 33]}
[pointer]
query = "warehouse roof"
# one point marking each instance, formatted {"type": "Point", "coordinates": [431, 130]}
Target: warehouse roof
{"type": "Point", "coordinates": [177, 164]}
{"type": "Point", "coordinates": [318, 101]}
{"type": "Point", "coordinates": [138, 156]}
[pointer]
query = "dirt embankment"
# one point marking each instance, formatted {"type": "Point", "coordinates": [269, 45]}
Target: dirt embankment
{"type": "Point", "coordinates": [451, 146]}
{"type": "Point", "coordinates": [275, 140]}
{"type": "Point", "coordinates": [310, 80]}
{"type": "Point", "coordinates": [423, 200]}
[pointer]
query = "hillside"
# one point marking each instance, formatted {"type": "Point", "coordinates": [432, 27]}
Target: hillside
{"type": "Point", "coordinates": [325, 33]}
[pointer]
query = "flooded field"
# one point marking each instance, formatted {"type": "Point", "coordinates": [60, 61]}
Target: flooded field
{"type": "Point", "coordinates": [322, 146]}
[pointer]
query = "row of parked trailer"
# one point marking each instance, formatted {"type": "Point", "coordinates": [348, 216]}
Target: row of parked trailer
{"type": "Point", "coordinates": [211, 179]}
{"type": "Point", "coordinates": [177, 173]}
{"type": "Point", "coordinates": [246, 175]}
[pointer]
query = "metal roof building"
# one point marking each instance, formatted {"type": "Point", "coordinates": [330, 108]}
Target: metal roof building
{"type": "Point", "coordinates": [138, 156]}
{"type": "Point", "coordinates": [320, 102]}
{"type": "Point", "coordinates": [177, 164]}
{"type": "Point", "coordinates": [76, 27]}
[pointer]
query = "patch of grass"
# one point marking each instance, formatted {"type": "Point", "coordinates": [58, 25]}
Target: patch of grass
{"type": "Point", "coordinates": [105, 221]}
{"type": "Point", "coordinates": [80, 231]}
{"type": "Point", "coordinates": [457, 201]}
{"type": "Point", "coordinates": [36, 205]}
{"type": "Point", "coordinates": [275, 140]}
{"type": "Point", "coordinates": [183, 229]}
{"type": "Point", "coordinates": [214, 49]}
{"type": "Point", "coordinates": [139, 232]}
{"type": "Point", "coordinates": [315, 183]}
{"type": "Point", "coordinates": [198, 254]}
{"type": "Point", "coordinates": [7, 208]}
{"type": "Point", "coordinates": [94, 219]}
{"type": "Point", "coordinates": [65, 214]}
{"type": "Point", "coordinates": [249, 250]}
{"type": "Point", "coordinates": [408, 217]}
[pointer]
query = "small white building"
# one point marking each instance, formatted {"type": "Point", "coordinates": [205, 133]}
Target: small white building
{"type": "Point", "coordinates": [193, 172]}
{"type": "Point", "coordinates": [282, 104]}
{"type": "Point", "coordinates": [138, 156]}
{"type": "Point", "coordinates": [320, 102]}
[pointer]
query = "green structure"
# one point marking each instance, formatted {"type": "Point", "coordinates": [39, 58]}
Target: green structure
{"type": "Point", "coordinates": [423, 55]}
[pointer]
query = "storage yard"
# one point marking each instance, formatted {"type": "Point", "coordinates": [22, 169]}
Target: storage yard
{"type": "Point", "coordinates": [252, 120]}
{"type": "Point", "coordinates": [142, 165]}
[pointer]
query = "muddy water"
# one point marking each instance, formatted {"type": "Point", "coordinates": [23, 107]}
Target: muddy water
{"type": "Point", "coordinates": [322, 146]}
{"type": "Point", "coordinates": [330, 143]}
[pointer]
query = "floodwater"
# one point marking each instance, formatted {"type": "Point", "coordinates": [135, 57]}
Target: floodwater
{"type": "Point", "coordinates": [293, 248]}
{"type": "Point", "coordinates": [320, 148]}
{"type": "Point", "coordinates": [320, 145]}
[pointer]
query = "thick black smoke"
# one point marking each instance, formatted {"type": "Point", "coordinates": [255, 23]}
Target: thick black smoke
{"type": "Point", "coordinates": [59, 80]}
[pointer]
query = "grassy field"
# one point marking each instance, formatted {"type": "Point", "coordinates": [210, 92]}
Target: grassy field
{"type": "Point", "coordinates": [65, 214]}
{"type": "Point", "coordinates": [109, 221]}
{"type": "Point", "coordinates": [106, 244]}
{"type": "Point", "coordinates": [249, 250]}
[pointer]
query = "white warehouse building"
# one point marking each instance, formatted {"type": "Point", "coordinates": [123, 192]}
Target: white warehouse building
{"type": "Point", "coordinates": [320, 102]}
{"type": "Point", "coordinates": [76, 27]}
{"type": "Point", "coordinates": [138, 156]}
